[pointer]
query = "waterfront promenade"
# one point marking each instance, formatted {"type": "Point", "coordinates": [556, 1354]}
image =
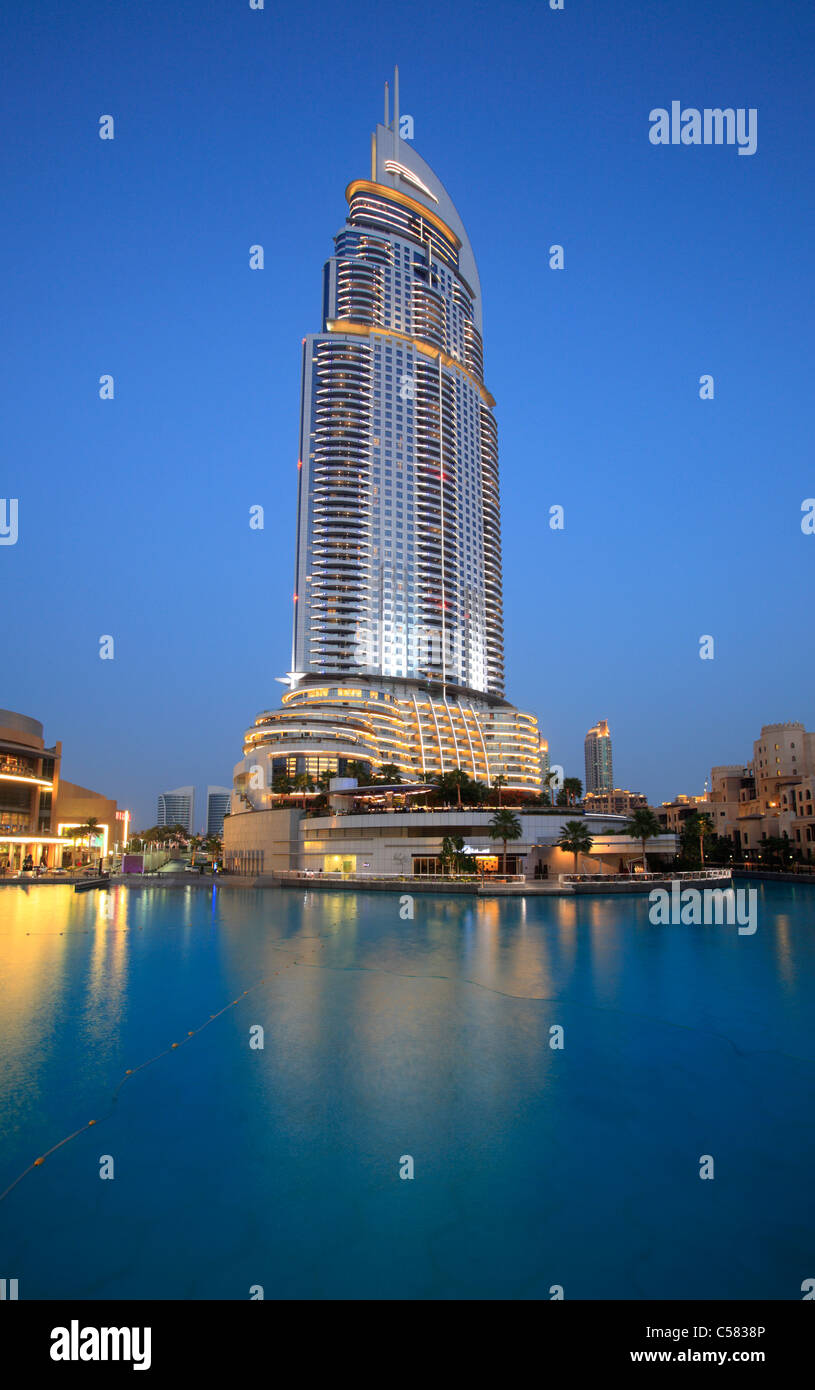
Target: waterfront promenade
{"type": "Point", "coordinates": [511, 885]}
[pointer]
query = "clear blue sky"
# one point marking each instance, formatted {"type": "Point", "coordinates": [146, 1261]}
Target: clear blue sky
{"type": "Point", "coordinates": [236, 126]}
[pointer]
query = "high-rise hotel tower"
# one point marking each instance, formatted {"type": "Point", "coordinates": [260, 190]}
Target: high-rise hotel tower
{"type": "Point", "coordinates": [599, 764]}
{"type": "Point", "coordinates": [397, 653]}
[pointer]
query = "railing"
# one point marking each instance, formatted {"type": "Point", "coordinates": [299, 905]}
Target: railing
{"type": "Point", "coordinates": [682, 876]}
{"type": "Point", "coordinates": [484, 808]}
{"type": "Point", "coordinates": [800, 870]}
{"type": "Point", "coordinates": [329, 876]}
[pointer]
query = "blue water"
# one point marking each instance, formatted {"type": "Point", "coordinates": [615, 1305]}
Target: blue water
{"type": "Point", "coordinates": [384, 1037]}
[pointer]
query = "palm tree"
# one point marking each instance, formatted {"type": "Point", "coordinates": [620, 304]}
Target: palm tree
{"type": "Point", "coordinates": [573, 788]}
{"type": "Point", "coordinates": [88, 829]}
{"type": "Point", "coordinates": [303, 783]}
{"type": "Point", "coordinates": [698, 827]}
{"type": "Point", "coordinates": [643, 826]}
{"type": "Point", "coordinates": [575, 839]}
{"type": "Point", "coordinates": [547, 785]}
{"type": "Point", "coordinates": [213, 846]}
{"type": "Point", "coordinates": [505, 826]}
{"type": "Point", "coordinates": [477, 792]}
{"type": "Point", "coordinates": [195, 844]}
{"type": "Point", "coordinates": [446, 783]}
{"type": "Point", "coordinates": [177, 834]}
{"type": "Point", "coordinates": [390, 773]}
{"type": "Point", "coordinates": [73, 833]}
{"type": "Point", "coordinates": [499, 782]}
{"type": "Point", "coordinates": [457, 779]}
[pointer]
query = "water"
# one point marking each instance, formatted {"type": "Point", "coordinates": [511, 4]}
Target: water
{"type": "Point", "coordinates": [385, 1037]}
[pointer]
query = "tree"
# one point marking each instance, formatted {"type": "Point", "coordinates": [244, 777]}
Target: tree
{"type": "Point", "coordinates": [548, 787]}
{"type": "Point", "coordinates": [777, 848]}
{"type": "Point", "coordinates": [643, 826]}
{"type": "Point", "coordinates": [573, 788]}
{"type": "Point", "coordinates": [505, 826]}
{"type": "Point", "coordinates": [451, 850]}
{"type": "Point", "coordinates": [476, 792]}
{"type": "Point", "coordinates": [696, 830]}
{"type": "Point", "coordinates": [195, 844]}
{"type": "Point", "coordinates": [303, 783]}
{"type": "Point", "coordinates": [85, 831]}
{"type": "Point", "coordinates": [389, 773]}
{"type": "Point", "coordinates": [214, 846]}
{"type": "Point", "coordinates": [359, 770]}
{"type": "Point", "coordinates": [499, 782]}
{"type": "Point", "coordinates": [458, 779]}
{"type": "Point", "coordinates": [575, 839]}
{"type": "Point", "coordinates": [447, 785]}
{"type": "Point", "coordinates": [722, 850]}
{"type": "Point", "coordinates": [72, 833]}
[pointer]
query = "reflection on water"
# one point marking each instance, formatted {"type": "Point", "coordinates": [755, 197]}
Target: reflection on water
{"type": "Point", "coordinates": [385, 1036]}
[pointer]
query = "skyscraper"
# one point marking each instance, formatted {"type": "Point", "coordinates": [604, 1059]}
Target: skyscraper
{"type": "Point", "coordinates": [177, 807]}
{"type": "Point", "coordinates": [397, 650]}
{"type": "Point", "coordinates": [218, 799]}
{"type": "Point", "coordinates": [599, 769]}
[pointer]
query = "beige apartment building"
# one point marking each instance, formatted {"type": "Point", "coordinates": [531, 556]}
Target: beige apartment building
{"type": "Point", "coordinates": [673, 814]}
{"type": "Point", "coordinates": [772, 796]}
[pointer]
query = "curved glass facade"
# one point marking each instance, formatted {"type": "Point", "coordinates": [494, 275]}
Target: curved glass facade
{"type": "Point", "coordinates": [397, 651]}
{"type": "Point", "coordinates": [399, 534]}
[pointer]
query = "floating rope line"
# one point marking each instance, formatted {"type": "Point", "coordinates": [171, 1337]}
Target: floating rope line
{"type": "Point", "coordinates": [131, 1071]}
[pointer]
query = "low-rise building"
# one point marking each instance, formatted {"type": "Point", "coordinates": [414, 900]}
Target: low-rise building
{"type": "Point", "coordinates": [673, 814]}
{"type": "Point", "coordinates": [409, 842]}
{"type": "Point", "coordinates": [616, 802]}
{"type": "Point", "coordinates": [773, 797]}
{"type": "Point", "coordinates": [37, 804]}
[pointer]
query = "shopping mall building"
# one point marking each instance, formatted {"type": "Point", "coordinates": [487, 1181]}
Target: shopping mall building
{"type": "Point", "coordinates": [37, 805]}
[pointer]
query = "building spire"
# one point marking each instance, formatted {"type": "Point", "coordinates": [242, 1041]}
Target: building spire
{"type": "Point", "coordinates": [395, 107]}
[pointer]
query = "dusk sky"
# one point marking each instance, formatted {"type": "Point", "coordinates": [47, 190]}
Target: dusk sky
{"type": "Point", "coordinates": [235, 126]}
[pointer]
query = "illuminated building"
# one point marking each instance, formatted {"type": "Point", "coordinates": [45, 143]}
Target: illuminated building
{"type": "Point", "coordinates": [397, 650]}
{"type": "Point", "coordinates": [37, 804]}
{"type": "Point", "coordinates": [177, 807]}
{"type": "Point", "coordinates": [599, 769]}
{"type": "Point", "coordinates": [218, 799]}
{"type": "Point", "coordinates": [618, 801]}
